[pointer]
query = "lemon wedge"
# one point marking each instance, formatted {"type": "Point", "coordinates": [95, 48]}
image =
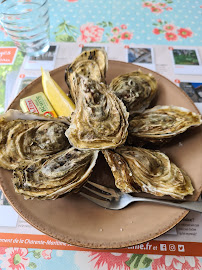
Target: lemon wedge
{"type": "Point", "coordinates": [62, 104]}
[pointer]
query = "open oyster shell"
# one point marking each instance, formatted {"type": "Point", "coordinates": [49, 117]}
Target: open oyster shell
{"type": "Point", "coordinates": [100, 120]}
{"type": "Point", "coordinates": [124, 179]}
{"type": "Point", "coordinates": [28, 137]}
{"type": "Point", "coordinates": [53, 177]}
{"type": "Point", "coordinates": [92, 64]}
{"type": "Point", "coordinates": [97, 55]}
{"type": "Point", "coordinates": [135, 89]}
{"type": "Point", "coordinates": [151, 170]}
{"type": "Point", "coordinates": [86, 68]}
{"type": "Point", "coordinates": [162, 122]}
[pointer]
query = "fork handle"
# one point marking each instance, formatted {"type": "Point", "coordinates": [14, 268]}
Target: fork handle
{"type": "Point", "coordinates": [195, 206]}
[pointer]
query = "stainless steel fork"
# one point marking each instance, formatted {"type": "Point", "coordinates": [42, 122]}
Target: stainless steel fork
{"type": "Point", "coordinates": [111, 199]}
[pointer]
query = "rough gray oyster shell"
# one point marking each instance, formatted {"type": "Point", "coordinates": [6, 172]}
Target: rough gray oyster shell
{"type": "Point", "coordinates": [92, 64]}
{"type": "Point", "coordinates": [135, 89]}
{"type": "Point", "coordinates": [161, 123]}
{"type": "Point", "coordinates": [28, 137]}
{"type": "Point", "coordinates": [149, 171]}
{"type": "Point", "coordinates": [86, 68]}
{"type": "Point", "coordinates": [53, 177]}
{"type": "Point", "coordinates": [100, 119]}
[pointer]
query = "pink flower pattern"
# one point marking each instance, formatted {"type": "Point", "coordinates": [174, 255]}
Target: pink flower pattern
{"type": "Point", "coordinates": [120, 34]}
{"type": "Point", "coordinates": [175, 262]}
{"type": "Point", "coordinates": [161, 5]}
{"type": "Point", "coordinates": [147, 4]}
{"type": "Point", "coordinates": [156, 7]}
{"type": "Point", "coordinates": [115, 30]}
{"type": "Point", "coordinates": [18, 259]}
{"type": "Point", "coordinates": [169, 27]}
{"type": "Point", "coordinates": [95, 33]}
{"type": "Point", "coordinates": [123, 26]}
{"type": "Point", "coordinates": [156, 31]}
{"type": "Point", "coordinates": [126, 35]}
{"type": "Point", "coordinates": [90, 33]}
{"type": "Point", "coordinates": [171, 31]}
{"type": "Point", "coordinates": [2, 250]}
{"type": "Point", "coordinates": [185, 32]}
{"type": "Point", "coordinates": [170, 36]}
{"type": "Point", "coordinates": [101, 260]}
{"type": "Point", "coordinates": [114, 39]}
{"type": "Point", "coordinates": [46, 254]}
{"type": "Point", "coordinates": [15, 259]}
{"type": "Point", "coordinates": [111, 260]}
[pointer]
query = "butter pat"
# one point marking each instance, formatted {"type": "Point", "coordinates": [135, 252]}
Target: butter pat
{"type": "Point", "coordinates": [37, 103]}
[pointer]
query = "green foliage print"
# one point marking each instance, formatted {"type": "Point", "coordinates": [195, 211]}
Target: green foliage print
{"type": "Point", "coordinates": [66, 32]}
{"type": "Point", "coordinates": [32, 265]}
{"type": "Point", "coordinates": [138, 261]}
{"type": "Point", "coordinates": [38, 254]}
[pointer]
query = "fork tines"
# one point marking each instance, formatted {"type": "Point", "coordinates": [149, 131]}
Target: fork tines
{"type": "Point", "coordinates": [98, 194]}
{"type": "Point", "coordinates": [97, 189]}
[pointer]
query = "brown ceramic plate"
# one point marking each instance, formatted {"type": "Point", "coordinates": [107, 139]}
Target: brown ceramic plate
{"type": "Point", "coordinates": [77, 221]}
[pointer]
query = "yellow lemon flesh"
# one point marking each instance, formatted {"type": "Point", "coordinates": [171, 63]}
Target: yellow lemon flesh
{"type": "Point", "coordinates": [62, 104]}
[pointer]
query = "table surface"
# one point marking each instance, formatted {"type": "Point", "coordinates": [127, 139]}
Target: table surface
{"type": "Point", "coordinates": [163, 22]}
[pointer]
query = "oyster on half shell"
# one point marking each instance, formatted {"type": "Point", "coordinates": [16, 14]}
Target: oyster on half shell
{"type": "Point", "coordinates": [28, 137]}
{"type": "Point", "coordinates": [53, 177]}
{"type": "Point", "coordinates": [161, 123]}
{"type": "Point", "coordinates": [100, 119]}
{"type": "Point", "coordinates": [149, 170]}
{"type": "Point", "coordinates": [97, 55]}
{"type": "Point", "coordinates": [86, 68]}
{"type": "Point", "coordinates": [135, 89]}
{"type": "Point", "coordinates": [91, 64]}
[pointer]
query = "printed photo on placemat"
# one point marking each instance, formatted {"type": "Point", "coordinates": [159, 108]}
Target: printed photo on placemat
{"type": "Point", "coordinates": [24, 82]}
{"type": "Point", "coordinates": [186, 61]}
{"type": "Point", "coordinates": [194, 91]}
{"type": "Point", "coordinates": [47, 60]}
{"type": "Point", "coordinates": [141, 56]}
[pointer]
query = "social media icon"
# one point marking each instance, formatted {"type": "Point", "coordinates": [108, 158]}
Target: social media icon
{"type": "Point", "coordinates": [163, 247]}
{"type": "Point", "coordinates": [172, 247]}
{"type": "Point", "coordinates": [181, 248]}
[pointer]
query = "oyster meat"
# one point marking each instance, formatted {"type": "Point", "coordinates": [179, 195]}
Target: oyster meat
{"type": "Point", "coordinates": [53, 177]}
{"type": "Point", "coordinates": [92, 64]}
{"type": "Point", "coordinates": [151, 170]}
{"type": "Point", "coordinates": [135, 89]}
{"type": "Point", "coordinates": [100, 119]}
{"type": "Point", "coordinates": [28, 137]}
{"type": "Point", "coordinates": [162, 122]}
{"type": "Point", "coordinates": [86, 68]}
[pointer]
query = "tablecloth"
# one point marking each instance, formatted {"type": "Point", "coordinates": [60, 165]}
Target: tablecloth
{"type": "Point", "coordinates": [163, 22]}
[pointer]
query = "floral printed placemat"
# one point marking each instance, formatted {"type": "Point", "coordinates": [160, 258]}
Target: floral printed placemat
{"type": "Point", "coordinates": [22, 258]}
{"type": "Point", "coordinates": [141, 22]}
